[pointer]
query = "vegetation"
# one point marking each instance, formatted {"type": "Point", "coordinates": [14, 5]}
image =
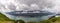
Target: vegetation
{"type": "Point", "coordinates": [19, 21]}
{"type": "Point", "coordinates": [4, 19]}
{"type": "Point", "coordinates": [45, 21]}
{"type": "Point", "coordinates": [53, 19]}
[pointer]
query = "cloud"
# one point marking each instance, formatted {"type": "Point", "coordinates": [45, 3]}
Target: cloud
{"type": "Point", "coordinates": [36, 6]}
{"type": "Point", "coordinates": [24, 7]}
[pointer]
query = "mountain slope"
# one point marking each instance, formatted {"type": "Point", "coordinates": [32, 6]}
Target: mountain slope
{"type": "Point", "coordinates": [4, 18]}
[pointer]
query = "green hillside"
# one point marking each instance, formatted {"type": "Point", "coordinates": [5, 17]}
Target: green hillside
{"type": "Point", "coordinates": [53, 19]}
{"type": "Point", "coordinates": [3, 18]}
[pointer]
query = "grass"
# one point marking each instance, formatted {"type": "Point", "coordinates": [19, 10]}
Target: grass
{"type": "Point", "coordinates": [4, 19]}
{"type": "Point", "coordinates": [53, 19]}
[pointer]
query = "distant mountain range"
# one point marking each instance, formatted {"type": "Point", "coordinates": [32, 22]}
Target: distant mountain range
{"type": "Point", "coordinates": [29, 13]}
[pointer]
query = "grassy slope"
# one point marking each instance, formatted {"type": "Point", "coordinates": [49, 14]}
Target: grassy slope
{"type": "Point", "coordinates": [3, 18]}
{"type": "Point", "coordinates": [51, 20]}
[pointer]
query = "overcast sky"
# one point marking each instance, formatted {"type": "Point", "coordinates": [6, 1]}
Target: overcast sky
{"type": "Point", "coordinates": [18, 5]}
{"type": "Point", "coordinates": [52, 6]}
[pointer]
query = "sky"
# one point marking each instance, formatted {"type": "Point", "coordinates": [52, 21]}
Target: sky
{"type": "Point", "coordinates": [27, 5]}
{"type": "Point", "coordinates": [52, 6]}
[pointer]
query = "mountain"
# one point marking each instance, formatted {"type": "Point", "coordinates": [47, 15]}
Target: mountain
{"type": "Point", "coordinates": [4, 18]}
{"type": "Point", "coordinates": [29, 13]}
